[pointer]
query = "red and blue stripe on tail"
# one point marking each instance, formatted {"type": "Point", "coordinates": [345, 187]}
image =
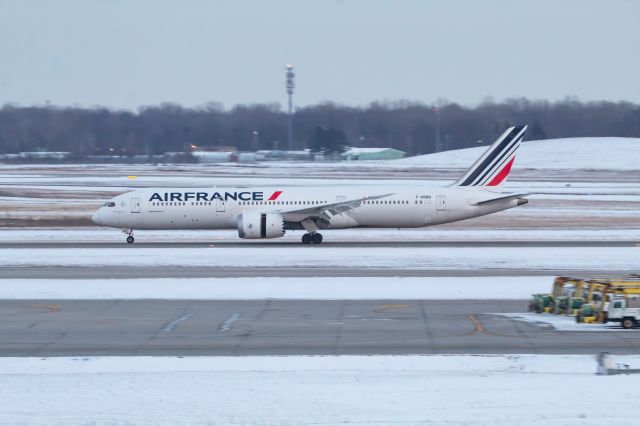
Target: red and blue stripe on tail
{"type": "Point", "coordinates": [495, 164]}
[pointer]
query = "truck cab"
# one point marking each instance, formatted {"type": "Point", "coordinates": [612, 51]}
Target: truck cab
{"type": "Point", "coordinates": [619, 311]}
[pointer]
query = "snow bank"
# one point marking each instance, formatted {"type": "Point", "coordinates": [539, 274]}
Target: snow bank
{"type": "Point", "coordinates": [567, 153]}
{"type": "Point", "coordinates": [565, 323]}
{"type": "Point", "coordinates": [453, 258]}
{"type": "Point", "coordinates": [279, 288]}
{"type": "Point", "coordinates": [373, 390]}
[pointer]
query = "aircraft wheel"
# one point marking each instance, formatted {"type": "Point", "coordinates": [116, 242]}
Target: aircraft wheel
{"type": "Point", "coordinates": [316, 238]}
{"type": "Point", "coordinates": [306, 239]}
{"type": "Point", "coordinates": [130, 239]}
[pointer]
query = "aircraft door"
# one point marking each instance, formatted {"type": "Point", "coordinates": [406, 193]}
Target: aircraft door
{"type": "Point", "coordinates": [441, 202]}
{"type": "Point", "coordinates": [135, 205]}
{"type": "Point", "coordinates": [220, 207]}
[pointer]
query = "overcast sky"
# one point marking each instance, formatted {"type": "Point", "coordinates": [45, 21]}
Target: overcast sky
{"type": "Point", "coordinates": [125, 53]}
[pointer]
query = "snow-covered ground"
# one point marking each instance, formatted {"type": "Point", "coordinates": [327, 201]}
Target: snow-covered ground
{"type": "Point", "coordinates": [365, 390]}
{"type": "Point", "coordinates": [566, 153]}
{"type": "Point", "coordinates": [563, 322]}
{"type": "Point", "coordinates": [45, 184]}
{"type": "Point", "coordinates": [357, 288]}
{"type": "Point", "coordinates": [603, 153]}
{"type": "Point", "coordinates": [453, 258]}
{"type": "Point", "coordinates": [438, 390]}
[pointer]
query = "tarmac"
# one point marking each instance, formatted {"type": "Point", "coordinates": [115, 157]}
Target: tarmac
{"type": "Point", "coordinates": [326, 244]}
{"type": "Point", "coordinates": [287, 327]}
{"type": "Point", "coordinates": [159, 271]}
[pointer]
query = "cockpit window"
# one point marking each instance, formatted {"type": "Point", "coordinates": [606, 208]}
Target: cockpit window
{"type": "Point", "coordinates": [109, 204]}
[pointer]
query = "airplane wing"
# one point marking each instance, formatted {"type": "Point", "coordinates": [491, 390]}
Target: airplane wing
{"type": "Point", "coordinates": [326, 211]}
{"type": "Point", "coordinates": [503, 198]}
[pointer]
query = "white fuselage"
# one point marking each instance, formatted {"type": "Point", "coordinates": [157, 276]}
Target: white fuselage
{"type": "Point", "coordinates": [219, 208]}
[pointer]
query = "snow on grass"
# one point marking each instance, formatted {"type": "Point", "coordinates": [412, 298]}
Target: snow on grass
{"type": "Point", "coordinates": [567, 153]}
{"type": "Point", "coordinates": [524, 390]}
{"type": "Point", "coordinates": [424, 258]}
{"type": "Point", "coordinates": [354, 288]}
{"type": "Point", "coordinates": [114, 184]}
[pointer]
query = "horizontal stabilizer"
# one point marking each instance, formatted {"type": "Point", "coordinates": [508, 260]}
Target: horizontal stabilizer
{"type": "Point", "coordinates": [505, 198]}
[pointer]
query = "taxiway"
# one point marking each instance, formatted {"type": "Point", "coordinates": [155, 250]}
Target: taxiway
{"type": "Point", "coordinates": [287, 327]}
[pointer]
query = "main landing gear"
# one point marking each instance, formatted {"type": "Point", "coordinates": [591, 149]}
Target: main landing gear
{"type": "Point", "coordinates": [129, 233]}
{"type": "Point", "coordinates": [312, 235]}
{"type": "Point", "coordinates": [315, 238]}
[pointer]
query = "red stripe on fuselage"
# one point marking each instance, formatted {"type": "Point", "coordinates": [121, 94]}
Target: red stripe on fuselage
{"type": "Point", "coordinates": [274, 196]}
{"type": "Point", "coordinates": [502, 175]}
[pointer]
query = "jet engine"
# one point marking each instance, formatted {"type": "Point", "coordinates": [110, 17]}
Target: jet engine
{"type": "Point", "coordinates": [254, 225]}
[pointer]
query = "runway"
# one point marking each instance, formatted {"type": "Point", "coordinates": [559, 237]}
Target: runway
{"type": "Point", "coordinates": [132, 272]}
{"type": "Point", "coordinates": [140, 243]}
{"type": "Point", "coordinates": [286, 327]}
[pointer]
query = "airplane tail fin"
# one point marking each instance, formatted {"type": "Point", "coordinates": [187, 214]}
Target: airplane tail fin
{"type": "Point", "coordinates": [493, 167]}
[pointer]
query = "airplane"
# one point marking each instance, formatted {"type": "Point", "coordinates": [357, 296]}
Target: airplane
{"type": "Point", "coordinates": [258, 213]}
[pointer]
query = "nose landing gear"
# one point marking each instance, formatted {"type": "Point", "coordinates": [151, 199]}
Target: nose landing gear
{"type": "Point", "coordinates": [129, 233]}
{"type": "Point", "coordinates": [315, 238]}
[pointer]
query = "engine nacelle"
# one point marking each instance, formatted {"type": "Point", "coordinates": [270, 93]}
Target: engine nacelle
{"type": "Point", "coordinates": [260, 225]}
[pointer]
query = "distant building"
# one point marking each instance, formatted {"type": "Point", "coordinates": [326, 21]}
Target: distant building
{"type": "Point", "coordinates": [37, 155]}
{"type": "Point", "coordinates": [353, 154]}
{"type": "Point", "coordinates": [215, 156]}
{"type": "Point", "coordinates": [279, 155]}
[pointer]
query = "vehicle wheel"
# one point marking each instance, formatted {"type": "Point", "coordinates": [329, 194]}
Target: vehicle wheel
{"type": "Point", "coordinates": [316, 238]}
{"type": "Point", "coordinates": [306, 239]}
{"type": "Point", "coordinates": [628, 323]}
{"type": "Point", "coordinates": [130, 239]}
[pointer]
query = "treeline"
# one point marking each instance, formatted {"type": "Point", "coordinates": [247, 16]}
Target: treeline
{"type": "Point", "coordinates": [408, 126]}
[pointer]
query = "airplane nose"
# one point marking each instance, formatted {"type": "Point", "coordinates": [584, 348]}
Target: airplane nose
{"type": "Point", "coordinates": [95, 218]}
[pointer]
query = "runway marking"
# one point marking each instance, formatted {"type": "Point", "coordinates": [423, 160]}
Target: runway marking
{"type": "Point", "coordinates": [226, 325]}
{"type": "Point", "coordinates": [478, 327]}
{"type": "Point", "coordinates": [172, 325]}
{"type": "Point", "coordinates": [383, 308]}
{"type": "Point", "coordinates": [50, 307]}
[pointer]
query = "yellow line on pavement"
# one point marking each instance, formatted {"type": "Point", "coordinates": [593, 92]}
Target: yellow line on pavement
{"type": "Point", "coordinates": [476, 324]}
